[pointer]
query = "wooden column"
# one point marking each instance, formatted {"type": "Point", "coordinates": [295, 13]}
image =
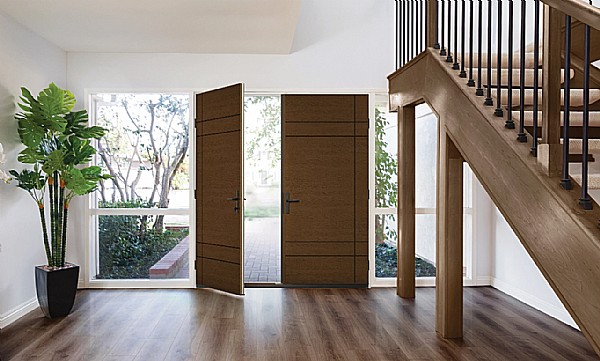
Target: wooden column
{"type": "Point", "coordinates": [406, 202]}
{"type": "Point", "coordinates": [432, 23]}
{"type": "Point", "coordinates": [449, 280]}
{"type": "Point", "coordinates": [550, 150]}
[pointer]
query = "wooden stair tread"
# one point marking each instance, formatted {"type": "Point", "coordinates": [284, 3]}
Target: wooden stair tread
{"type": "Point", "coordinates": [575, 118]}
{"type": "Point", "coordinates": [576, 96]}
{"type": "Point", "coordinates": [516, 79]}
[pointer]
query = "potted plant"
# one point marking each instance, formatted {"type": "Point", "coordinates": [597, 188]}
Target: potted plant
{"type": "Point", "coordinates": [58, 146]}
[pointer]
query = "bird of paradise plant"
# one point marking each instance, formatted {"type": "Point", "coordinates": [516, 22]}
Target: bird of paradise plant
{"type": "Point", "coordinates": [58, 146]}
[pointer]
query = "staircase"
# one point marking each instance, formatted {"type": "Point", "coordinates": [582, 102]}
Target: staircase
{"type": "Point", "coordinates": [536, 160]}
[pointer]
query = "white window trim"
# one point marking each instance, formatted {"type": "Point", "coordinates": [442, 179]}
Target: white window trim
{"type": "Point", "coordinates": [90, 214]}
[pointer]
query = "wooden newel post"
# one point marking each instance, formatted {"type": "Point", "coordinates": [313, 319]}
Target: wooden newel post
{"type": "Point", "coordinates": [449, 272]}
{"type": "Point", "coordinates": [406, 202]}
{"type": "Point", "coordinates": [550, 150]}
{"type": "Point", "coordinates": [432, 23]}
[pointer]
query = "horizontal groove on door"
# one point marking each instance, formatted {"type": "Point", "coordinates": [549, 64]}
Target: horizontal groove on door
{"type": "Point", "coordinates": [222, 125]}
{"type": "Point", "coordinates": [224, 274]}
{"type": "Point", "coordinates": [232, 131]}
{"type": "Point", "coordinates": [362, 248]}
{"type": "Point", "coordinates": [320, 248]}
{"type": "Point", "coordinates": [214, 119]}
{"type": "Point", "coordinates": [362, 129]}
{"type": "Point", "coordinates": [325, 129]}
{"type": "Point", "coordinates": [322, 270]}
{"type": "Point", "coordinates": [222, 253]}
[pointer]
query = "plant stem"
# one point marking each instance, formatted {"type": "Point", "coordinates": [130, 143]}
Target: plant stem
{"type": "Point", "coordinates": [61, 223]}
{"type": "Point", "coordinates": [45, 232]}
{"type": "Point", "coordinates": [64, 236]}
{"type": "Point", "coordinates": [52, 225]}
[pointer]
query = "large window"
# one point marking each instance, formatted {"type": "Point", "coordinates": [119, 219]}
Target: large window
{"type": "Point", "coordinates": [386, 172]}
{"type": "Point", "coordinates": [140, 218]}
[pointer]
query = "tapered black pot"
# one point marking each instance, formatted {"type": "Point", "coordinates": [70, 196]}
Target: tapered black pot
{"type": "Point", "coordinates": [56, 289]}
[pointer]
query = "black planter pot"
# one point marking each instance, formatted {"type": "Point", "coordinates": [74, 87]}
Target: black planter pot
{"type": "Point", "coordinates": [56, 289]}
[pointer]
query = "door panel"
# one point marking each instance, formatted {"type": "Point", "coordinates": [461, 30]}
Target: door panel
{"type": "Point", "coordinates": [219, 189]}
{"type": "Point", "coordinates": [325, 224]}
{"type": "Point", "coordinates": [316, 173]}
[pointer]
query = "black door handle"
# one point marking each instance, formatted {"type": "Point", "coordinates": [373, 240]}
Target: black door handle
{"type": "Point", "coordinates": [236, 199]}
{"type": "Point", "coordinates": [288, 201]}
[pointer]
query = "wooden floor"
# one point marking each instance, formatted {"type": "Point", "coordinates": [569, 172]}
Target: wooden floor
{"type": "Point", "coordinates": [288, 324]}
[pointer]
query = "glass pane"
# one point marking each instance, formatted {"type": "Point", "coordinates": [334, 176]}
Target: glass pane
{"type": "Point", "coordinates": [145, 150]}
{"type": "Point", "coordinates": [386, 235]}
{"type": "Point", "coordinates": [138, 247]}
{"type": "Point", "coordinates": [386, 158]}
{"type": "Point", "coordinates": [426, 134]}
{"type": "Point", "coordinates": [262, 175]}
{"type": "Point", "coordinates": [386, 261]}
{"type": "Point", "coordinates": [425, 232]}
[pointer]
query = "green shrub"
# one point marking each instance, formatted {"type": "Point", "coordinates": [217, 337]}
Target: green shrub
{"type": "Point", "coordinates": [129, 245]}
{"type": "Point", "coordinates": [386, 263]}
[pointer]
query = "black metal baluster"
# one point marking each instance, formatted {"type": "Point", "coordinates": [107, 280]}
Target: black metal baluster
{"type": "Point", "coordinates": [403, 9]}
{"type": "Point", "coordinates": [565, 182]}
{"type": "Point", "coordinates": [488, 100]}
{"type": "Point", "coordinates": [424, 4]}
{"type": "Point", "coordinates": [463, 73]}
{"type": "Point", "coordinates": [510, 124]}
{"type": "Point", "coordinates": [437, 22]}
{"type": "Point", "coordinates": [479, 91]}
{"type": "Point", "coordinates": [418, 26]}
{"type": "Point", "coordinates": [471, 81]}
{"type": "Point", "coordinates": [585, 201]}
{"type": "Point", "coordinates": [499, 112]}
{"type": "Point", "coordinates": [410, 28]}
{"type": "Point", "coordinates": [442, 17]}
{"type": "Point", "coordinates": [397, 36]}
{"type": "Point", "coordinates": [449, 29]}
{"type": "Point", "coordinates": [536, 67]}
{"type": "Point", "coordinates": [455, 65]}
{"type": "Point", "coordinates": [522, 137]}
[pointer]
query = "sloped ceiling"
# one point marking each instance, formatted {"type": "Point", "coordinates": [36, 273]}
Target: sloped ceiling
{"type": "Point", "coordinates": [161, 26]}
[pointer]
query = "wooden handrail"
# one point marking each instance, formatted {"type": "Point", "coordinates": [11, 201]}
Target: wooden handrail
{"type": "Point", "coordinates": [577, 9]}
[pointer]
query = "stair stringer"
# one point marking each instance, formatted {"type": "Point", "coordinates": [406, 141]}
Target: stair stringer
{"type": "Point", "coordinates": [562, 239]}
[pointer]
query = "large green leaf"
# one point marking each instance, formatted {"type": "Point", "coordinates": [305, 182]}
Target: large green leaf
{"type": "Point", "coordinates": [54, 162]}
{"type": "Point", "coordinates": [29, 180]}
{"type": "Point", "coordinates": [83, 181]}
{"type": "Point", "coordinates": [30, 156]}
{"type": "Point", "coordinates": [77, 125]}
{"type": "Point", "coordinates": [55, 103]}
{"type": "Point", "coordinates": [78, 151]}
{"type": "Point", "coordinates": [31, 133]}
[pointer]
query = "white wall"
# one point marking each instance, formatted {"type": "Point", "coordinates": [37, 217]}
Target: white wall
{"type": "Point", "coordinates": [514, 272]}
{"type": "Point", "coordinates": [340, 45]}
{"type": "Point", "coordinates": [30, 61]}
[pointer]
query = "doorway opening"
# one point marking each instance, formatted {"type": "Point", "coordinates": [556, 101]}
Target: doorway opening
{"type": "Point", "coordinates": [262, 179]}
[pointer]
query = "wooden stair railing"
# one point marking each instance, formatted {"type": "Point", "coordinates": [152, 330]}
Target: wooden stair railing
{"type": "Point", "coordinates": [449, 56]}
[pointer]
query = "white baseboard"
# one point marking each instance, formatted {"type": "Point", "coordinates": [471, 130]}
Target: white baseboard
{"type": "Point", "coordinates": [559, 313]}
{"type": "Point", "coordinates": [18, 312]}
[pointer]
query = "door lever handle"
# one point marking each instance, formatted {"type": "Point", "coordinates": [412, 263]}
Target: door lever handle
{"type": "Point", "coordinates": [288, 201]}
{"type": "Point", "coordinates": [236, 199]}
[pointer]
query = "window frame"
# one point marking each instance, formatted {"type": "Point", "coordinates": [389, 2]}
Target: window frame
{"type": "Point", "coordinates": [375, 100]}
{"type": "Point", "coordinates": [91, 212]}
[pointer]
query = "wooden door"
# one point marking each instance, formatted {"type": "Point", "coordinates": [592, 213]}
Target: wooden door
{"type": "Point", "coordinates": [219, 189]}
{"type": "Point", "coordinates": [325, 189]}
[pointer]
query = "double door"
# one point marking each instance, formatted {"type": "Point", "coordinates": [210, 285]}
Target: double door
{"type": "Point", "coordinates": [324, 190]}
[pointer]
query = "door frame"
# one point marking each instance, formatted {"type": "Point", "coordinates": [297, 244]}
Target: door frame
{"type": "Point", "coordinates": [87, 233]}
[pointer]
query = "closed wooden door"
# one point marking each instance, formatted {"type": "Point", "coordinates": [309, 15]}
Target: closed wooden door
{"type": "Point", "coordinates": [325, 189]}
{"type": "Point", "coordinates": [219, 189]}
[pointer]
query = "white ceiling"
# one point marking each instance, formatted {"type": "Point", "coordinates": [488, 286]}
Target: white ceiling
{"type": "Point", "coordinates": [162, 26]}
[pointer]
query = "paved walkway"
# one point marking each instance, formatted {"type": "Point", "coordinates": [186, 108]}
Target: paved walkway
{"type": "Point", "coordinates": [262, 261]}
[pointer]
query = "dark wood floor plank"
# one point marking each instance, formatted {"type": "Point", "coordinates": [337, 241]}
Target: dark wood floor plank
{"type": "Point", "coordinates": [288, 324]}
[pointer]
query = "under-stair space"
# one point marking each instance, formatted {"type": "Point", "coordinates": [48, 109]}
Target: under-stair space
{"type": "Point", "coordinates": [528, 123]}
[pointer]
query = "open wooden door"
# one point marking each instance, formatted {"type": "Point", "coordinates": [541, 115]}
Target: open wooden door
{"type": "Point", "coordinates": [325, 189]}
{"type": "Point", "coordinates": [220, 189]}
